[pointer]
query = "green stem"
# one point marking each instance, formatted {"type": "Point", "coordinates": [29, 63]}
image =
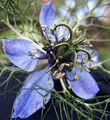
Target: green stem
{"type": "Point", "coordinates": [71, 105]}
{"type": "Point", "coordinates": [14, 30]}
{"type": "Point", "coordinates": [63, 86]}
{"type": "Point", "coordinates": [23, 37]}
{"type": "Point", "coordinates": [79, 22]}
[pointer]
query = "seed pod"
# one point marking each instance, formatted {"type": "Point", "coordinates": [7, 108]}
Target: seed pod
{"type": "Point", "coordinates": [81, 68]}
{"type": "Point", "coordinates": [68, 53]}
{"type": "Point", "coordinates": [61, 50]}
{"type": "Point", "coordinates": [86, 60]}
{"type": "Point", "coordinates": [60, 75]}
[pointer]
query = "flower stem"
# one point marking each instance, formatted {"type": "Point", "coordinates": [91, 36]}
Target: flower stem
{"type": "Point", "coordinates": [14, 30]}
{"type": "Point", "coordinates": [79, 22]}
{"type": "Point", "coordinates": [23, 37]}
{"type": "Point", "coordinates": [63, 86]}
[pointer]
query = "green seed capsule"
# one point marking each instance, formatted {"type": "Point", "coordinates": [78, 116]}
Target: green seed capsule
{"type": "Point", "coordinates": [61, 50]}
{"type": "Point", "coordinates": [68, 53]}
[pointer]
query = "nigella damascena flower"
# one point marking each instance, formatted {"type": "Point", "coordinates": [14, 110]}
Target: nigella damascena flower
{"type": "Point", "coordinates": [68, 60]}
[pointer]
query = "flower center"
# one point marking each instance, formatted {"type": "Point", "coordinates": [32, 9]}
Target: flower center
{"type": "Point", "coordinates": [68, 51]}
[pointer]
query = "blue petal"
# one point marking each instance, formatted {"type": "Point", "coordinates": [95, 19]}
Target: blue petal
{"type": "Point", "coordinates": [85, 87]}
{"type": "Point", "coordinates": [47, 15]}
{"type": "Point", "coordinates": [17, 52]}
{"type": "Point", "coordinates": [29, 100]}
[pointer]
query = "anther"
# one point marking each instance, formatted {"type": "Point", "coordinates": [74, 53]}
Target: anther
{"type": "Point", "coordinates": [36, 56]}
{"type": "Point", "coordinates": [70, 87]}
{"type": "Point", "coordinates": [49, 83]}
{"type": "Point", "coordinates": [34, 51]}
{"type": "Point", "coordinates": [90, 65]}
{"type": "Point", "coordinates": [76, 76]}
{"type": "Point", "coordinates": [94, 58]}
{"type": "Point", "coordinates": [60, 75]}
{"type": "Point", "coordinates": [29, 53]}
{"type": "Point", "coordinates": [86, 68]}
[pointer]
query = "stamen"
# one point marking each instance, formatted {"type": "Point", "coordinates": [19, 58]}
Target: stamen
{"type": "Point", "coordinates": [76, 76]}
{"type": "Point", "coordinates": [36, 56]}
{"type": "Point", "coordinates": [60, 75]}
{"type": "Point", "coordinates": [34, 51]}
{"type": "Point", "coordinates": [70, 87]}
{"type": "Point", "coordinates": [66, 64]}
{"type": "Point", "coordinates": [29, 53]}
{"type": "Point", "coordinates": [90, 65]}
{"type": "Point", "coordinates": [53, 66]}
{"type": "Point", "coordinates": [81, 68]}
{"type": "Point", "coordinates": [43, 27]}
{"type": "Point", "coordinates": [86, 68]}
{"type": "Point", "coordinates": [94, 58]}
{"type": "Point", "coordinates": [49, 82]}
{"type": "Point", "coordinates": [82, 56]}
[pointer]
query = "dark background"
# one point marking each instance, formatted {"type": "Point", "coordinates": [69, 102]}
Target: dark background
{"type": "Point", "coordinates": [6, 101]}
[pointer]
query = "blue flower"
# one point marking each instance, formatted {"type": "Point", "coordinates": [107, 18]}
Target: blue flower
{"type": "Point", "coordinates": [64, 61]}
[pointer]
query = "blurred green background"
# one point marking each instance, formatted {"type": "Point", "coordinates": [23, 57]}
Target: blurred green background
{"type": "Point", "coordinates": [24, 14]}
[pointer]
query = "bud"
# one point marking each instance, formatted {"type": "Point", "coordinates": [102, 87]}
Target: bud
{"type": "Point", "coordinates": [91, 52]}
{"type": "Point", "coordinates": [90, 45]}
{"type": "Point", "coordinates": [81, 68]}
{"type": "Point", "coordinates": [86, 60]}
{"type": "Point", "coordinates": [87, 42]}
{"type": "Point", "coordinates": [95, 58]}
{"type": "Point", "coordinates": [29, 53]}
{"type": "Point", "coordinates": [43, 107]}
